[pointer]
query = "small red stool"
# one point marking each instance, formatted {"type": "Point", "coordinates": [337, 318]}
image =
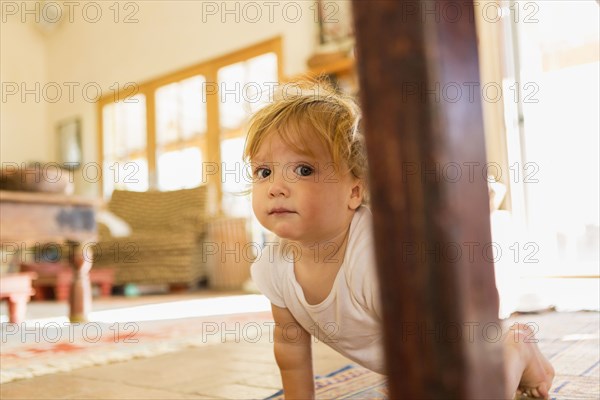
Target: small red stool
{"type": "Point", "coordinates": [60, 276]}
{"type": "Point", "coordinates": [17, 289]}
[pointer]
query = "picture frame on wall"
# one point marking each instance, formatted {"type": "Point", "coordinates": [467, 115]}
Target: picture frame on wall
{"type": "Point", "coordinates": [69, 143]}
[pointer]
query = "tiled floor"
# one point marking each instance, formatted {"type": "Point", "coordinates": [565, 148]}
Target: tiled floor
{"type": "Point", "coordinates": [223, 371]}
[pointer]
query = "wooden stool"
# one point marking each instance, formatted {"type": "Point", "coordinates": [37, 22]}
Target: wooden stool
{"type": "Point", "coordinates": [60, 276]}
{"type": "Point", "coordinates": [17, 289]}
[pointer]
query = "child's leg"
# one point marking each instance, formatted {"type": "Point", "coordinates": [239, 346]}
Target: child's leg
{"type": "Point", "coordinates": [527, 370]}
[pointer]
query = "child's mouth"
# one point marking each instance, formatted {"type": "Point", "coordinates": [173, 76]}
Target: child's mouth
{"type": "Point", "coordinates": [279, 211]}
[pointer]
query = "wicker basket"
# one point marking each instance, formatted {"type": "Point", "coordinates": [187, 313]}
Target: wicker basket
{"type": "Point", "coordinates": [229, 253]}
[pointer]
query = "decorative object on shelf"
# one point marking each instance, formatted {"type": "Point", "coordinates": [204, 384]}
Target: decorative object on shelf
{"type": "Point", "coordinates": [338, 68]}
{"type": "Point", "coordinates": [334, 51]}
{"type": "Point", "coordinates": [318, 60]}
{"type": "Point", "coordinates": [36, 177]}
{"type": "Point", "coordinates": [48, 16]}
{"type": "Point", "coordinates": [335, 26]}
{"type": "Point", "coordinates": [69, 142]}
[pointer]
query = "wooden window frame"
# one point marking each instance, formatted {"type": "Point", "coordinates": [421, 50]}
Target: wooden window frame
{"type": "Point", "coordinates": [209, 70]}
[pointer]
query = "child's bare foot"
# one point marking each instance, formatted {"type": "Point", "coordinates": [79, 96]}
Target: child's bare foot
{"type": "Point", "coordinates": [538, 373]}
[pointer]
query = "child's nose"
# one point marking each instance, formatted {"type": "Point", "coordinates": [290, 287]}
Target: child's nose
{"type": "Point", "coordinates": [278, 186]}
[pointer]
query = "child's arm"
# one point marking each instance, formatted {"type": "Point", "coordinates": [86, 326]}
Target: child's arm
{"type": "Point", "coordinates": [293, 355]}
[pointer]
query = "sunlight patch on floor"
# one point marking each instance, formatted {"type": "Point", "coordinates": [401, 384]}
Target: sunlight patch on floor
{"type": "Point", "coordinates": [167, 310]}
{"type": "Point", "coordinates": [185, 309]}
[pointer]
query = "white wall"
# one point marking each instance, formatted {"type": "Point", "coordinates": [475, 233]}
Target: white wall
{"type": "Point", "coordinates": [168, 35]}
{"type": "Point", "coordinates": [23, 122]}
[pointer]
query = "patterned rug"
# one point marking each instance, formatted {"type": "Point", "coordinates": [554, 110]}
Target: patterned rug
{"type": "Point", "coordinates": [45, 348]}
{"type": "Point", "coordinates": [569, 340]}
{"type": "Point", "coordinates": [349, 382]}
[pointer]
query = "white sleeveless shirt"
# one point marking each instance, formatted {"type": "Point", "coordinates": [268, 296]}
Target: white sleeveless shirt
{"type": "Point", "coordinates": [349, 319]}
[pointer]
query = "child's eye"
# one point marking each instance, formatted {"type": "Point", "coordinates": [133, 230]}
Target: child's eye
{"type": "Point", "coordinates": [262, 172]}
{"type": "Point", "coordinates": [304, 170]}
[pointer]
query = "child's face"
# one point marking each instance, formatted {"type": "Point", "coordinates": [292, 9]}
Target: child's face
{"type": "Point", "coordinates": [301, 197]}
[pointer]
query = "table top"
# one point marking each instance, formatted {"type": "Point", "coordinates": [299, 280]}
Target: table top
{"type": "Point", "coordinates": [28, 218]}
{"type": "Point", "coordinates": [48, 198]}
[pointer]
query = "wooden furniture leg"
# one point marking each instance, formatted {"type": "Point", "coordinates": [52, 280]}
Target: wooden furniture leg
{"type": "Point", "coordinates": [64, 280]}
{"type": "Point", "coordinates": [106, 289]}
{"type": "Point", "coordinates": [80, 296]}
{"type": "Point", "coordinates": [17, 306]}
{"type": "Point", "coordinates": [440, 307]}
{"type": "Point", "coordinates": [62, 288]}
{"type": "Point", "coordinates": [16, 289]}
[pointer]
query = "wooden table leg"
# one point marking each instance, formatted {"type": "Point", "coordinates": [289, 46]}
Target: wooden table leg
{"type": "Point", "coordinates": [80, 296]}
{"type": "Point", "coordinates": [410, 134]}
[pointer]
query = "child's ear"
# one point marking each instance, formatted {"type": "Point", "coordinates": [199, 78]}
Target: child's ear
{"type": "Point", "coordinates": [356, 196]}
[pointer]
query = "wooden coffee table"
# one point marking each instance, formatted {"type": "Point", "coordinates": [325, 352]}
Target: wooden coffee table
{"type": "Point", "coordinates": [30, 219]}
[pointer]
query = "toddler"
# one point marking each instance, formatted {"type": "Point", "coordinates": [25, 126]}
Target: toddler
{"type": "Point", "coordinates": [309, 188]}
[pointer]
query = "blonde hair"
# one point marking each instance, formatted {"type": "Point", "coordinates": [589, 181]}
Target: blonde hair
{"type": "Point", "coordinates": [317, 108]}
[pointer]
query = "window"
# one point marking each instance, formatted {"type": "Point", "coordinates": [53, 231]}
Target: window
{"type": "Point", "coordinates": [180, 133]}
{"type": "Point", "coordinates": [559, 170]}
{"type": "Point", "coordinates": [175, 127]}
{"type": "Point", "coordinates": [125, 146]}
{"type": "Point", "coordinates": [244, 87]}
{"type": "Point", "coordinates": [552, 145]}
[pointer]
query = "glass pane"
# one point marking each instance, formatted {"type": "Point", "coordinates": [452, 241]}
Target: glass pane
{"type": "Point", "coordinates": [108, 184]}
{"type": "Point", "coordinates": [263, 71]}
{"type": "Point", "coordinates": [124, 132]}
{"type": "Point", "coordinates": [180, 111]}
{"type": "Point", "coordinates": [263, 68]}
{"type": "Point", "coordinates": [134, 175]}
{"type": "Point", "coordinates": [193, 109]}
{"type": "Point", "coordinates": [243, 87]}
{"type": "Point", "coordinates": [179, 169]}
{"type": "Point", "coordinates": [166, 114]}
{"type": "Point", "coordinates": [124, 127]}
{"type": "Point", "coordinates": [231, 107]}
{"type": "Point", "coordinates": [235, 178]}
{"type": "Point", "coordinates": [108, 130]}
{"type": "Point", "coordinates": [125, 175]}
{"type": "Point", "coordinates": [133, 117]}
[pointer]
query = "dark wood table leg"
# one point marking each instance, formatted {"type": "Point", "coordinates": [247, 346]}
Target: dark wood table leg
{"type": "Point", "coordinates": [80, 296]}
{"type": "Point", "coordinates": [428, 292]}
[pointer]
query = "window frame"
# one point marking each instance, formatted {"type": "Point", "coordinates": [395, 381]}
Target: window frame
{"type": "Point", "coordinates": [209, 70]}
